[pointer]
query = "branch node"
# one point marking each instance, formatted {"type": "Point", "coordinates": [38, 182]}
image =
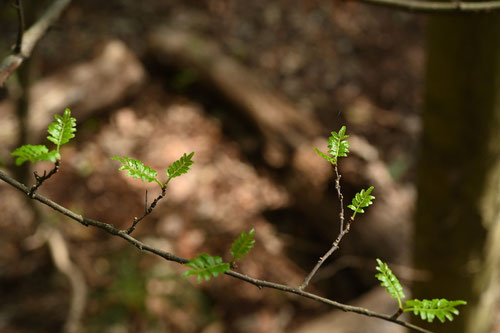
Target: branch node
{"type": "Point", "coordinates": [41, 179]}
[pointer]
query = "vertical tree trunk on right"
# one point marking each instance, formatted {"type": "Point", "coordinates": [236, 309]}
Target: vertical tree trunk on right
{"type": "Point", "coordinates": [457, 235]}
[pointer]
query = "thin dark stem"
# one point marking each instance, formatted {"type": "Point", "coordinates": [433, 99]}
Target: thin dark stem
{"type": "Point", "coordinates": [20, 31]}
{"type": "Point", "coordinates": [41, 179]}
{"type": "Point", "coordinates": [171, 257]}
{"type": "Point", "coordinates": [397, 314]}
{"type": "Point", "coordinates": [340, 196]}
{"type": "Point", "coordinates": [436, 6]}
{"type": "Point", "coordinates": [343, 231]}
{"type": "Point", "coordinates": [30, 38]}
{"type": "Point", "coordinates": [148, 210]}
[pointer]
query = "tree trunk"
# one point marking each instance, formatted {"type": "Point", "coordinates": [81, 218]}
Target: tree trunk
{"type": "Point", "coordinates": [458, 208]}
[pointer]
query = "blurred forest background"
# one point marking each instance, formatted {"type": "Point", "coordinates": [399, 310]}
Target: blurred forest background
{"type": "Point", "coordinates": [251, 88]}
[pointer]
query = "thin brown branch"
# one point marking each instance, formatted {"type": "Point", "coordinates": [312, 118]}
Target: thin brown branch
{"type": "Point", "coordinates": [41, 179]}
{"type": "Point", "coordinates": [437, 7]}
{"type": "Point", "coordinates": [20, 30]}
{"type": "Point", "coordinates": [343, 231]}
{"type": "Point", "coordinates": [30, 38]}
{"type": "Point", "coordinates": [148, 210]}
{"type": "Point", "coordinates": [171, 257]}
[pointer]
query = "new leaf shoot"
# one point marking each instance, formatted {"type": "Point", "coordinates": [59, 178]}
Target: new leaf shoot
{"type": "Point", "coordinates": [242, 245]}
{"type": "Point", "coordinates": [62, 129]}
{"type": "Point", "coordinates": [137, 169]}
{"type": "Point", "coordinates": [179, 167]}
{"type": "Point", "coordinates": [34, 154]}
{"type": "Point", "coordinates": [430, 309]}
{"type": "Point", "coordinates": [361, 200]}
{"type": "Point", "coordinates": [338, 146]}
{"type": "Point", "coordinates": [390, 282]}
{"type": "Point", "coordinates": [205, 266]}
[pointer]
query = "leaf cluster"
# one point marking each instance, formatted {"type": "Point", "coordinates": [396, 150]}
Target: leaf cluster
{"type": "Point", "coordinates": [430, 309]}
{"type": "Point", "coordinates": [338, 146]}
{"type": "Point", "coordinates": [389, 281]}
{"type": "Point", "coordinates": [426, 309]}
{"type": "Point", "coordinates": [61, 130]}
{"type": "Point", "coordinates": [361, 200]}
{"type": "Point", "coordinates": [137, 169]}
{"type": "Point", "coordinates": [205, 266]}
{"type": "Point", "coordinates": [242, 245]}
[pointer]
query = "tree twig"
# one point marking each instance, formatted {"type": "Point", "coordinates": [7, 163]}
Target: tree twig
{"type": "Point", "coordinates": [343, 231]}
{"type": "Point", "coordinates": [41, 179]}
{"type": "Point", "coordinates": [20, 30]}
{"type": "Point", "coordinates": [30, 38]}
{"type": "Point", "coordinates": [171, 257]}
{"type": "Point", "coordinates": [437, 7]}
{"type": "Point", "coordinates": [147, 210]}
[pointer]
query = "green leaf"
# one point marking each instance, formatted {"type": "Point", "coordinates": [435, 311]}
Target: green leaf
{"type": "Point", "coordinates": [179, 167]}
{"type": "Point", "coordinates": [34, 154]}
{"type": "Point", "coordinates": [326, 157]}
{"type": "Point", "coordinates": [62, 129]}
{"type": "Point", "coordinates": [204, 266]}
{"type": "Point", "coordinates": [242, 245]}
{"type": "Point", "coordinates": [137, 169]}
{"type": "Point", "coordinates": [361, 200]}
{"type": "Point", "coordinates": [339, 147]}
{"type": "Point", "coordinates": [390, 282]}
{"type": "Point", "coordinates": [430, 309]}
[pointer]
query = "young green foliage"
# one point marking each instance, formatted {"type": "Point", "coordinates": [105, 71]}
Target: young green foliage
{"type": "Point", "coordinates": [361, 200]}
{"type": "Point", "coordinates": [390, 282]}
{"type": "Point", "coordinates": [33, 154]}
{"type": "Point", "coordinates": [338, 146]}
{"type": "Point", "coordinates": [204, 266]}
{"type": "Point", "coordinates": [180, 167]}
{"type": "Point", "coordinates": [430, 309]}
{"type": "Point", "coordinates": [242, 245]}
{"type": "Point", "coordinates": [427, 309]}
{"type": "Point", "coordinates": [137, 169]}
{"type": "Point", "coordinates": [61, 130]}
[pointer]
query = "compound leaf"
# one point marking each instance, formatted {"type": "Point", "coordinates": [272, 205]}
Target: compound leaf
{"type": "Point", "coordinates": [361, 200]}
{"type": "Point", "coordinates": [34, 154]}
{"type": "Point", "coordinates": [179, 167]}
{"type": "Point", "coordinates": [338, 146]}
{"type": "Point", "coordinates": [205, 266]}
{"type": "Point", "coordinates": [137, 169]}
{"type": "Point", "coordinates": [389, 281]}
{"type": "Point", "coordinates": [242, 245]}
{"type": "Point", "coordinates": [62, 129]}
{"type": "Point", "coordinates": [430, 309]}
{"type": "Point", "coordinates": [326, 157]}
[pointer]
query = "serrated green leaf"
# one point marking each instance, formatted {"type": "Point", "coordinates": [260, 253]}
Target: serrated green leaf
{"type": "Point", "coordinates": [430, 309]}
{"type": "Point", "coordinates": [361, 200]}
{"type": "Point", "coordinates": [34, 154]}
{"type": "Point", "coordinates": [389, 281]}
{"type": "Point", "coordinates": [137, 169]}
{"type": "Point", "coordinates": [179, 167]}
{"type": "Point", "coordinates": [338, 145]}
{"type": "Point", "coordinates": [205, 266]}
{"type": "Point", "coordinates": [326, 157]}
{"type": "Point", "coordinates": [62, 129]}
{"type": "Point", "coordinates": [242, 245]}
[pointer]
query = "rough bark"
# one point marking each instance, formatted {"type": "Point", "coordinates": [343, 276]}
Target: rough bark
{"type": "Point", "coordinates": [459, 170]}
